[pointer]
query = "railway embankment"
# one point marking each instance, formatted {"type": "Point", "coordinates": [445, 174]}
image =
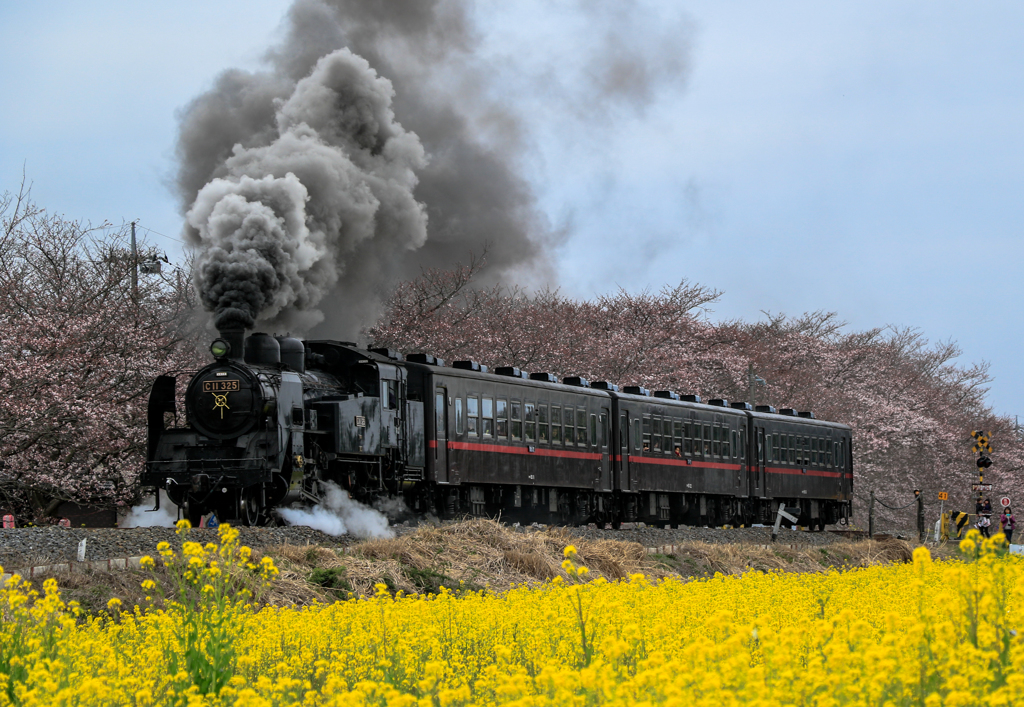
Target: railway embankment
{"type": "Point", "coordinates": [461, 556]}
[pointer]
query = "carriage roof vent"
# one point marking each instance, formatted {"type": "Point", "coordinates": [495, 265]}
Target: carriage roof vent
{"type": "Point", "coordinates": [766, 408]}
{"type": "Point", "coordinates": [605, 385]}
{"type": "Point", "coordinates": [388, 354]}
{"type": "Point", "coordinates": [578, 381]}
{"type": "Point", "coordinates": [806, 413]}
{"type": "Point", "coordinates": [669, 394]}
{"type": "Point", "coordinates": [788, 411]}
{"type": "Point", "coordinates": [513, 371]}
{"type": "Point", "coordinates": [741, 406]}
{"type": "Point", "coordinates": [719, 402]}
{"type": "Point", "coordinates": [546, 377]}
{"type": "Point", "coordinates": [425, 358]}
{"type": "Point", "coordinates": [470, 366]}
{"type": "Point", "coordinates": [636, 390]}
{"type": "Point", "coordinates": [690, 398]}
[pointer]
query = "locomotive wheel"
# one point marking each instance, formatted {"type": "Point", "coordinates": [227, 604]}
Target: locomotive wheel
{"type": "Point", "coordinates": [252, 511]}
{"type": "Point", "coordinates": [193, 513]}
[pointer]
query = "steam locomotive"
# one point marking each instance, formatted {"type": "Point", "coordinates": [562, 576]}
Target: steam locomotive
{"type": "Point", "coordinates": [272, 421]}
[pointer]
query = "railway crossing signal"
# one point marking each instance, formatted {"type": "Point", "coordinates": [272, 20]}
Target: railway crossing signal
{"type": "Point", "coordinates": [981, 441]}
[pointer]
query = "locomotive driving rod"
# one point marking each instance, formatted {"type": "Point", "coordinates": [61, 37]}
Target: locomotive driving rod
{"type": "Point", "coordinates": [783, 513]}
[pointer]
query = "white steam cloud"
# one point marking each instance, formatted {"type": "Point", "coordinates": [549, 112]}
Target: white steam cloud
{"type": "Point", "coordinates": [339, 514]}
{"type": "Point", "coordinates": [142, 515]}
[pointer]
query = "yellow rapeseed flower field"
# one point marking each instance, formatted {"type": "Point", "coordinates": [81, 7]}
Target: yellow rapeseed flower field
{"type": "Point", "coordinates": [927, 633]}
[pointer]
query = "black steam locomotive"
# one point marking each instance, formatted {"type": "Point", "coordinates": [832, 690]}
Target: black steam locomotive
{"type": "Point", "coordinates": [270, 422]}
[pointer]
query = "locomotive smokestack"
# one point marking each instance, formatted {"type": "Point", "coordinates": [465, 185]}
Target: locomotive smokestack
{"type": "Point", "coordinates": [236, 340]}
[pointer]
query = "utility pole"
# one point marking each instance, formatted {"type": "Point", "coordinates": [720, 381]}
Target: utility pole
{"type": "Point", "coordinates": [752, 383]}
{"type": "Point", "coordinates": [871, 516]}
{"type": "Point", "coordinates": [920, 516]}
{"type": "Point", "coordinates": [135, 268]}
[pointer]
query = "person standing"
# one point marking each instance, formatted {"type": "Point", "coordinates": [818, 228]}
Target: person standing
{"type": "Point", "coordinates": [983, 525]}
{"type": "Point", "coordinates": [1008, 524]}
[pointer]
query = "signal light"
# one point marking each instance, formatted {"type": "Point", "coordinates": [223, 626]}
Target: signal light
{"type": "Point", "coordinates": [220, 348]}
{"type": "Point", "coordinates": [984, 462]}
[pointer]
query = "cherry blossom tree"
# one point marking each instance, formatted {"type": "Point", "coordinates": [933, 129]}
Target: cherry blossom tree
{"type": "Point", "coordinates": [80, 349]}
{"type": "Point", "coordinates": [910, 402]}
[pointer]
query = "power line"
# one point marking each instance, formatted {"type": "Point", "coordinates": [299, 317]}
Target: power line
{"type": "Point", "coordinates": [150, 230]}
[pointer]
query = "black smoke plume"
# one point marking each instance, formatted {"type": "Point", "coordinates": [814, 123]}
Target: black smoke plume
{"type": "Point", "coordinates": [379, 141]}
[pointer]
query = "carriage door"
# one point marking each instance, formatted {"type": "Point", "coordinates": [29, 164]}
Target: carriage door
{"type": "Point", "coordinates": [600, 437]}
{"type": "Point", "coordinates": [760, 473]}
{"type": "Point", "coordinates": [440, 441]}
{"type": "Point", "coordinates": [625, 431]}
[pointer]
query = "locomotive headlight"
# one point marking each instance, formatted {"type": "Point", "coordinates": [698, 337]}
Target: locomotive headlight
{"type": "Point", "coordinates": [220, 348]}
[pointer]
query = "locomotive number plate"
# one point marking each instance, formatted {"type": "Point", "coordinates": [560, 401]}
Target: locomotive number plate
{"type": "Point", "coordinates": [220, 386]}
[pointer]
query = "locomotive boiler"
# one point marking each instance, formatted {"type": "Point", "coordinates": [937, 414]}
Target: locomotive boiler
{"type": "Point", "coordinates": [272, 420]}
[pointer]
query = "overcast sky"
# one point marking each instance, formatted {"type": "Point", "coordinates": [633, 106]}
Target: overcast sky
{"type": "Point", "coordinates": [864, 158]}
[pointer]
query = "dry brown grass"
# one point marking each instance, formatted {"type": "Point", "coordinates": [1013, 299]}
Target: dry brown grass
{"type": "Point", "coordinates": [478, 554]}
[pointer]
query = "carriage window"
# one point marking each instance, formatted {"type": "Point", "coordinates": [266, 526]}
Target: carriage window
{"type": "Point", "coordinates": [459, 424]}
{"type": "Point", "coordinates": [636, 434]}
{"type": "Point", "coordinates": [472, 415]}
{"type": "Point", "coordinates": [440, 428]}
{"type": "Point", "coordinates": [570, 427]}
{"type": "Point", "coordinates": [647, 433]}
{"type": "Point", "coordinates": [725, 442]}
{"type": "Point", "coordinates": [828, 453]}
{"type": "Point", "coordinates": [517, 420]}
{"type": "Point", "coordinates": [677, 438]}
{"type": "Point", "coordinates": [556, 424]}
{"type": "Point", "coordinates": [792, 449]}
{"type": "Point", "coordinates": [604, 430]}
{"type": "Point", "coordinates": [487, 417]}
{"type": "Point", "coordinates": [698, 444]}
{"type": "Point", "coordinates": [707, 440]}
{"type": "Point", "coordinates": [581, 427]}
{"type": "Point", "coordinates": [780, 453]}
{"type": "Point", "coordinates": [656, 434]}
{"type": "Point", "coordinates": [769, 449]}
{"type": "Point", "coordinates": [743, 445]}
{"type": "Point", "coordinates": [542, 424]}
{"type": "Point", "coordinates": [623, 432]}
{"type": "Point", "coordinates": [501, 406]}
{"type": "Point", "coordinates": [716, 444]}
{"type": "Point", "coordinates": [842, 454]}
{"type": "Point", "coordinates": [531, 421]}
{"type": "Point", "coordinates": [593, 429]}
{"type": "Point", "coordinates": [687, 439]}
{"type": "Point", "coordinates": [735, 446]}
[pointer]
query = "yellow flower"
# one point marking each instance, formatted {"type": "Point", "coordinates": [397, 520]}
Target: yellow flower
{"type": "Point", "coordinates": [149, 585]}
{"type": "Point", "coordinates": [147, 562]}
{"type": "Point", "coordinates": [570, 551]}
{"type": "Point", "coordinates": [114, 604]}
